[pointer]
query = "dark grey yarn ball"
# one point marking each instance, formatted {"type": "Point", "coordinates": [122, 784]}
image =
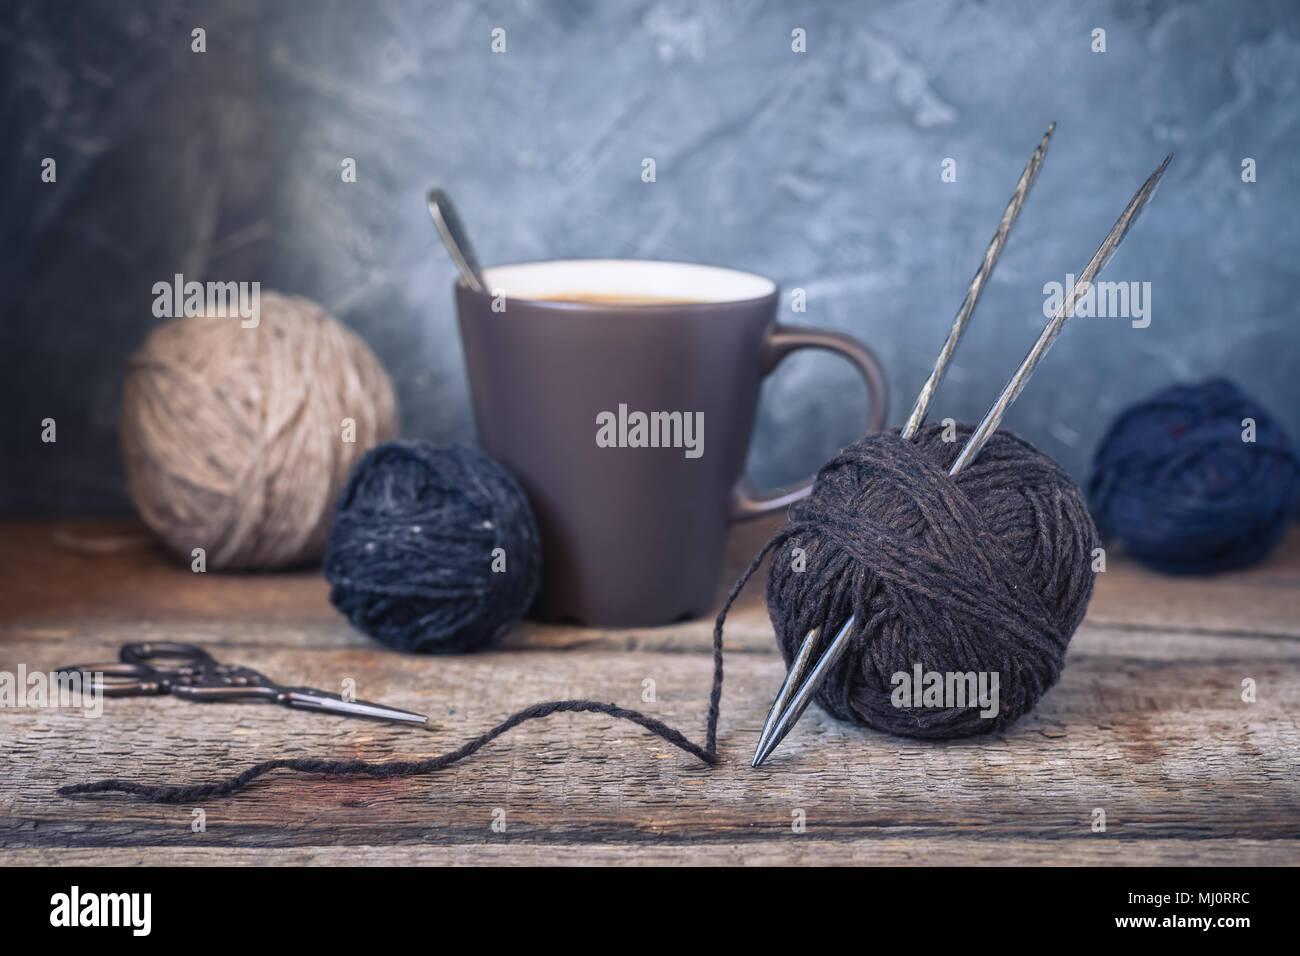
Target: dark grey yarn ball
{"type": "Point", "coordinates": [987, 572]}
{"type": "Point", "coordinates": [411, 545]}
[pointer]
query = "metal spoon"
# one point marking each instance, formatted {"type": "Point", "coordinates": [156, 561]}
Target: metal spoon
{"type": "Point", "coordinates": [456, 239]}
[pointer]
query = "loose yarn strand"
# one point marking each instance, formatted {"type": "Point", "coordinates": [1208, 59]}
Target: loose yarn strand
{"type": "Point", "coordinates": [174, 793]}
{"type": "Point", "coordinates": [708, 754]}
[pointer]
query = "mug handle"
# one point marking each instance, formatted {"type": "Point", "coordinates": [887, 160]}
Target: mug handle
{"type": "Point", "coordinates": [748, 501]}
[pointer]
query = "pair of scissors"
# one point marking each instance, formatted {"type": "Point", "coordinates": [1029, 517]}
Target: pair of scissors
{"type": "Point", "coordinates": [191, 673]}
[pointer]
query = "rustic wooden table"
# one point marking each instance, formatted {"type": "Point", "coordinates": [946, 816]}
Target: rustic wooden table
{"type": "Point", "coordinates": [1147, 724]}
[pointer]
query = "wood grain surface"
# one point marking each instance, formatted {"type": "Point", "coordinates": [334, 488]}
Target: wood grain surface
{"type": "Point", "coordinates": [1147, 724]}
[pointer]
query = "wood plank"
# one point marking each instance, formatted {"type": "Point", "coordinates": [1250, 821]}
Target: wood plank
{"type": "Point", "coordinates": [1165, 747]}
{"type": "Point", "coordinates": [45, 584]}
{"type": "Point", "coordinates": [795, 850]}
{"type": "Point", "coordinates": [1260, 600]}
{"type": "Point", "coordinates": [1146, 724]}
{"type": "Point", "coordinates": [46, 581]}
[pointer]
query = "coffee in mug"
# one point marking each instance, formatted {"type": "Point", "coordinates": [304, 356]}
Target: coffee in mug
{"type": "Point", "coordinates": [614, 298]}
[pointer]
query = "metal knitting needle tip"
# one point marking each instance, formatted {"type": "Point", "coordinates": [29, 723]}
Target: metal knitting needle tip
{"type": "Point", "coordinates": [989, 424]}
{"type": "Point", "coordinates": [799, 690]}
{"type": "Point", "coordinates": [798, 668]}
{"type": "Point", "coordinates": [1027, 179]}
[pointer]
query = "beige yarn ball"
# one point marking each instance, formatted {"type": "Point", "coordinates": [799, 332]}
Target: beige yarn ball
{"type": "Point", "coordinates": [234, 438]}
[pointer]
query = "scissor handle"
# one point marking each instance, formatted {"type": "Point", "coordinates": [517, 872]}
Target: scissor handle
{"type": "Point", "coordinates": [204, 680]}
{"type": "Point", "coordinates": [188, 671]}
{"type": "Point", "coordinates": [119, 679]}
{"type": "Point", "coordinates": [163, 654]}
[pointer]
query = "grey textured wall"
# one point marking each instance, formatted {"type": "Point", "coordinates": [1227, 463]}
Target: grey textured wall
{"type": "Point", "coordinates": [821, 170]}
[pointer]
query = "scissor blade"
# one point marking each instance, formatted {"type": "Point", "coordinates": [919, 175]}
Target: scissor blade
{"type": "Point", "coordinates": [991, 255]}
{"type": "Point", "coordinates": [323, 702]}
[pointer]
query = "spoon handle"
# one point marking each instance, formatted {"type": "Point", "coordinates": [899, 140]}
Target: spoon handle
{"type": "Point", "coordinates": [456, 239]}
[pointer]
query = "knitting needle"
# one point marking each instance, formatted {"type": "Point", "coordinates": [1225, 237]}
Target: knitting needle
{"type": "Point", "coordinates": [804, 658]}
{"type": "Point", "coordinates": [989, 424]}
{"type": "Point", "coordinates": [1009, 216]}
{"type": "Point", "coordinates": [807, 688]}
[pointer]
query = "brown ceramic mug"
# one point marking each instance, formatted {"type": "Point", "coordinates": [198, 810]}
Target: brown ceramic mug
{"type": "Point", "coordinates": [621, 394]}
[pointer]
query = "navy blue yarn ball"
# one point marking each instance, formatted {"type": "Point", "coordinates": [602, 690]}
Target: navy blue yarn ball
{"type": "Point", "coordinates": [1175, 482]}
{"type": "Point", "coordinates": [412, 545]}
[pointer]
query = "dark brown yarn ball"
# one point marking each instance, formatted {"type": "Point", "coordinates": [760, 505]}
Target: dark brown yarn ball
{"type": "Point", "coordinates": [989, 572]}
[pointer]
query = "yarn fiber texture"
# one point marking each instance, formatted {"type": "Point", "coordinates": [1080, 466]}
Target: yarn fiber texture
{"type": "Point", "coordinates": [1174, 480]}
{"type": "Point", "coordinates": [233, 438]}
{"type": "Point", "coordinates": [413, 543]}
{"type": "Point", "coordinates": [987, 572]}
